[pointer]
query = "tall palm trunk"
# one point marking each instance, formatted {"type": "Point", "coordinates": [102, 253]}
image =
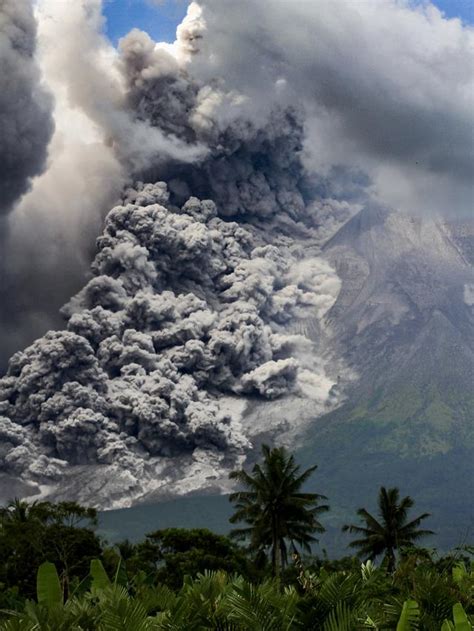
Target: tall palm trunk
{"type": "Point", "coordinates": [391, 560]}
{"type": "Point", "coordinates": [276, 548]}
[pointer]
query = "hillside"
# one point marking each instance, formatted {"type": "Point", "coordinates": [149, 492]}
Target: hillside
{"type": "Point", "coordinates": [405, 327]}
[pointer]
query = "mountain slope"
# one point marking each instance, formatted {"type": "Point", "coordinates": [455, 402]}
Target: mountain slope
{"type": "Point", "coordinates": [403, 325]}
{"type": "Point", "coordinates": [400, 335]}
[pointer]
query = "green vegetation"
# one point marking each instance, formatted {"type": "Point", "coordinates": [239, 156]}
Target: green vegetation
{"type": "Point", "coordinates": [365, 597]}
{"type": "Point", "coordinates": [170, 554]}
{"type": "Point", "coordinates": [56, 574]}
{"type": "Point", "coordinates": [33, 533]}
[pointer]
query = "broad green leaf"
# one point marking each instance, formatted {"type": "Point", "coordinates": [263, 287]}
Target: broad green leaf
{"type": "Point", "coordinates": [48, 587]}
{"type": "Point", "coordinates": [121, 577]}
{"type": "Point", "coordinates": [459, 572]}
{"type": "Point", "coordinates": [447, 626]}
{"type": "Point", "coordinates": [461, 622]}
{"type": "Point", "coordinates": [100, 580]}
{"type": "Point", "coordinates": [409, 617]}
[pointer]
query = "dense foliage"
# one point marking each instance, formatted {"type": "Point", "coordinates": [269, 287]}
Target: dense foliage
{"type": "Point", "coordinates": [57, 574]}
{"type": "Point", "coordinates": [363, 598]}
{"type": "Point", "coordinates": [168, 555]}
{"type": "Point", "coordinates": [33, 533]}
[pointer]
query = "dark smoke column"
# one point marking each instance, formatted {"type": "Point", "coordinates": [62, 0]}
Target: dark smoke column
{"type": "Point", "coordinates": [26, 123]}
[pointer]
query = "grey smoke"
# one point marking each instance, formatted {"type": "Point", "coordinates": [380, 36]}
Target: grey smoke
{"type": "Point", "coordinates": [183, 308]}
{"type": "Point", "coordinates": [88, 70]}
{"type": "Point", "coordinates": [252, 168]}
{"type": "Point", "coordinates": [403, 118]}
{"type": "Point", "coordinates": [97, 144]}
{"type": "Point", "coordinates": [208, 285]}
{"type": "Point", "coordinates": [26, 123]}
{"type": "Point", "coordinates": [403, 113]}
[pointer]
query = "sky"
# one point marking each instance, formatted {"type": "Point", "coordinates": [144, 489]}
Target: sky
{"type": "Point", "coordinates": [159, 18]}
{"type": "Point", "coordinates": [463, 9]}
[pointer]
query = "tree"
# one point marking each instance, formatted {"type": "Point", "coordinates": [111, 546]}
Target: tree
{"type": "Point", "coordinates": [69, 514]}
{"type": "Point", "coordinates": [32, 533]}
{"type": "Point", "coordinates": [173, 553]}
{"type": "Point", "coordinates": [391, 532]}
{"type": "Point", "coordinates": [21, 550]}
{"type": "Point", "coordinates": [18, 512]}
{"type": "Point", "coordinates": [275, 509]}
{"type": "Point", "coordinates": [70, 541]}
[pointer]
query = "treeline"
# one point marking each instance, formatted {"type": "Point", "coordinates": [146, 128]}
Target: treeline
{"type": "Point", "coordinates": [57, 573]}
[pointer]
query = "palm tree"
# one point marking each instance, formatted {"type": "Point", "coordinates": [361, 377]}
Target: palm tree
{"type": "Point", "coordinates": [19, 511]}
{"type": "Point", "coordinates": [392, 532]}
{"type": "Point", "coordinates": [274, 507]}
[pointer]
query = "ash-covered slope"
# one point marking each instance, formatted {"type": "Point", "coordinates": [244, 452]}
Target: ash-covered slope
{"type": "Point", "coordinates": [213, 318]}
{"type": "Point", "coordinates": [404, 321]}
{"type": "Point", "coordinates": [405, 325]}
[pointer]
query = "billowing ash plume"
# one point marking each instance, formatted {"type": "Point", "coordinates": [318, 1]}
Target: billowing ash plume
{"type": "Point", "coordinates": [205, 287]}
{"type": "Point", "coordinates": [183, 307]}
{"type": "Point", "coordinates": [198, 290]}
{"type": "Point", "coordinates": [362, 108]}
{"type": "Point", "coordinates": [192, 113]}
{"type": "Point", "coordinates": [252, 168]}
{"type": "Point", "coordinates": [26, 123]}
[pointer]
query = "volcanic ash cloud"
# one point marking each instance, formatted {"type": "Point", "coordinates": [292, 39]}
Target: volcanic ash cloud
{"type": "Point", "coordinates": [183, 308]}
{"type": "Point", "coordinates": [205, 287]}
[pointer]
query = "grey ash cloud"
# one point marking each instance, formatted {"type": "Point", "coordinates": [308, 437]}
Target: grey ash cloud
{"type": "Point", "coordinates": [388, 87]}
{"type": "Point", "coordinates": [251, 168]}
{"type": "Point", "coordinates": [26, 128]}
{"type": "Point", "coordinates": [26, 122]}
{"type": "Point", "coordinates": [208, 280]}
{"type": "Point", "coordinates": [192, 114]}
{"type": "Point", "coordinates": [184, 307]}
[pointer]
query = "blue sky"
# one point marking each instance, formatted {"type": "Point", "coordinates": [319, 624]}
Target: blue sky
{"type": "Point", "coordinates": [463, 9]}
{"type": "Point", "coordinates": [160, 19]}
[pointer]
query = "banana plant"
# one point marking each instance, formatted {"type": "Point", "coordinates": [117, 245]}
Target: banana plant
{"type": "Point", "coordinates": [410, 616]}
{"type": "Point", "coordinates": [48, 587]}
{"type": "Point", "coordinates": [100, 579]}
{"type": "Point", "coordinates": [461, 621]}
{"type": "Point", "coordinates": [50, 612]}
